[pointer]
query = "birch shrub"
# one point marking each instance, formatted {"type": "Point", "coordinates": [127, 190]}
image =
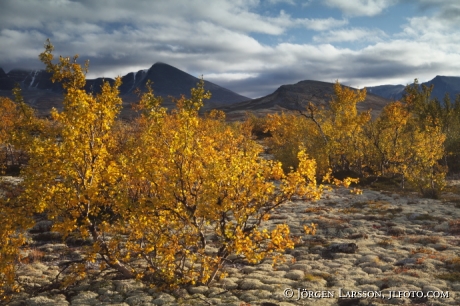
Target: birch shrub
{"type": "Point", "coordinates": [166, 200]}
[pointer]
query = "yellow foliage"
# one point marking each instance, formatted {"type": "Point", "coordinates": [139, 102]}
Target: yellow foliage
{"type": "Point", "coordinates": [310, 229]}
{"type": "Point", "coordinates": [18, 126]}
{"type": "Point", "coordinates": [343, 128]}
{"type": "Point", "coordinates": [289, 133]}
{"type": "Point", "coordinates": [72, 173]}
{"type": "Point", "coordinates": [201, 176]}
{"type": "Point", "coordinates": [14, 220]}
{"type": "Point", "coordinates": [402, 145]}
{"type": "Point", "coordinates": [406, 139]}
{"type": "Point", "coordinates": [161, 190]}
{"type": "Point", "coordinates": [333, 137]}
{"type": "Point", "coordinates": [8, 117]}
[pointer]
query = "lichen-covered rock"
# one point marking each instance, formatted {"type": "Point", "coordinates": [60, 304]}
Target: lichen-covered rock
{"type": "Point", "coordinates": [45, 301]}
{"type": "Point", "coordinates": [125, 286]}
{"type": "Point", "coordinates": [139, 299]}
{"type": "Point", "coordinates": [250, 283]}
{"type": "Point", "coordinates": [198, 289]}
{"type": "Point", "coordinates": [295, 275]}
{"type": "Point", "coordinates": [163, 299]}
{"type": "Point", "coordinates": [229, 283]}
{"type": "Point", "coordinates": [85, 297]}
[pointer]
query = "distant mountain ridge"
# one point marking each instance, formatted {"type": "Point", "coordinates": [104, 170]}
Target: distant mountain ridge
{"type": "Point", "coordinates": [296, 97]}
{"type": "Point", "coordinates": [167, 81]}
{"type": "Point", "coordinates": [442, 85]}
{"type": "Point", "coordinates": [42, 94]}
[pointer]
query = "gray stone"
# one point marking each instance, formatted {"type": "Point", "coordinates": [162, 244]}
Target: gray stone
{"type": "Point", "coordinates": [228, 284]}
{"type": "Point", "coordinates": [163, 299]}
{"type": "Point", "coordinates": [85, 297]}
{"type": "Point", "coordinates": [249, 296]}
{"type": "Point", "coordinates": [405, 262]}
{"type": "Point", "coordinates": [42, 226]}
{"type": "Point", "coordinates": [198, 289]}
{"type": "Point", "coordinates": [372, 270]}
{"type": "Point", "coordinates": [301, 266]}
{"type": "Point", "coordinates": [45, 301]}
{"type": "Point", "coordinates": [124, 286]}
{"type": "Point", "coordinates": [139, 299]}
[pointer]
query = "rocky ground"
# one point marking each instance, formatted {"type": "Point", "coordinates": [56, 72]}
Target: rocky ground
{"type": "Point", "coordinates": [376, 248]}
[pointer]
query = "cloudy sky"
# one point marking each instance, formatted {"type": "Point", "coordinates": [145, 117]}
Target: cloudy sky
{"type": "Point", "coordinates": [249, 46]}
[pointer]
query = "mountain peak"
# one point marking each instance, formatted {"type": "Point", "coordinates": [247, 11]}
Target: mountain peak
{"type": "Point", "coordinates": [162, 63]}
{"type": "Point", "coordinates": [170, 81]}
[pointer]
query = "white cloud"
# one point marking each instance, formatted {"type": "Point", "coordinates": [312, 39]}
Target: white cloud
{"type": "Point", "coordinates": [433, 30]}
{"type": "Point", "coordinates": [361, 7]}
{"type": "Point", "coordinates": [21, 44]}
{"type": "Point", "coordinates": [234, 15]}
{"type": "Point", "coordinates": [350, 35]}
{"type": "Point", "coordinates": [306, 3]}
{"type": "Point", "coordinates": [321, 24]}
{"type": "Point", "coordinates": [216, 77]}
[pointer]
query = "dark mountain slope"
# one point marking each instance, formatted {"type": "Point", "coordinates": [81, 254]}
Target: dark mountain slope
{"type": "Point", "coordinates": [297, 96]}
{"type": "Point", "coordinates": [170, 81]}
{"type": "Point", "coordinates": [5, 82]}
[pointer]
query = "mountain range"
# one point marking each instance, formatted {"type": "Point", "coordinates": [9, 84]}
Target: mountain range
{"type": "Point", "coordinates": [168, 81]}
{"type": "Point", "coordinates": [442, 85]}
{"type": "Point", "coordinates": [296, 97]}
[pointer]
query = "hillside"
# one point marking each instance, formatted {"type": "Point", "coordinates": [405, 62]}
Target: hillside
{"type": "Point", "coordinates": [296, 97]}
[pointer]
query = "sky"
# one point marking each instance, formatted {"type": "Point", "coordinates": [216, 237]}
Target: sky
{"type": "Point", "coordinates": [249, 46]}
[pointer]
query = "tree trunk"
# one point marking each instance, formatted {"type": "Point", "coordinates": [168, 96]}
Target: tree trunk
{"type": "Point", "coordinates": [112, 261]}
